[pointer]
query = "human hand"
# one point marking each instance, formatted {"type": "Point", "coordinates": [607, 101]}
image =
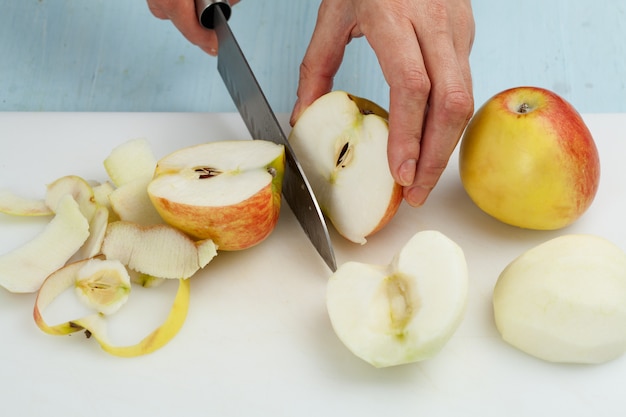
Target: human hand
{"type": "Point", "coordinates": [423, 48]}
{"type": "Point", "coordinates": [183, 16]}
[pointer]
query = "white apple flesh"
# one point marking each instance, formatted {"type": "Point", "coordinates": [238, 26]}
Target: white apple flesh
{"type": "Point", "coordinates": [565, 300]}
{"type": "Point", "coordinates": [341, 143]}
{"type": "Point", "coordinates": [403, 312]}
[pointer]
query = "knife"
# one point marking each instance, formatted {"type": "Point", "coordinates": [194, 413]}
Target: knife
{"type": "Point", "coordinates": [262, 124]}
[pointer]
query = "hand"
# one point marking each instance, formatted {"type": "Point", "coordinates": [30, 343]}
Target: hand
{"type": "Point", "coordinates": [423, 48]}
{"type": "Point", "coordinates": [183, 15]}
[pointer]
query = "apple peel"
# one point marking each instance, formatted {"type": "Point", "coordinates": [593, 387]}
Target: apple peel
{"type": "Point", "coordinates": [157, 250]}
{"type": "Point", "coordinates": [25, 269]}
{"type": "Point", "coordinates": [96, 324]}
{"type": "Point", "coordinates": [17, 205]}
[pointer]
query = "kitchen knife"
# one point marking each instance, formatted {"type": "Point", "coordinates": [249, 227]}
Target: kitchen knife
{"type": "Point", "coordinates": [262, 124]}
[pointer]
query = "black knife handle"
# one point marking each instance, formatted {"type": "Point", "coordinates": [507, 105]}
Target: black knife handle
{"type": "Point", "coordinates": [205, 9]}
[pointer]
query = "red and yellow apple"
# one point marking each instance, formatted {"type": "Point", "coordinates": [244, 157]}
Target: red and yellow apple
{"type": "Point", "coordinates": [226, 191]}
{"type": "Point", "coordinates": [528, 159]}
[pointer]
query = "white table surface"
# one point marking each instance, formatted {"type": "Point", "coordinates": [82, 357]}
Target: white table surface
{"type": "Point", "coordinates": [113, 55]}
{"type": "Point", "coordinates": [257, 340]}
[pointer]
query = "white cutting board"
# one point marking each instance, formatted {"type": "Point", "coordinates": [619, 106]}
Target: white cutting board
{"type": "Point", "coordinates": [257, 341]}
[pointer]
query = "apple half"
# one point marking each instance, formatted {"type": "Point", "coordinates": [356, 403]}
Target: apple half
{"type": "Point", "coordinates": [341, 143]}
{"type": "Point", "coordinates": [226, 191]}
{"type": "Point", "coordinates": [405, 311]}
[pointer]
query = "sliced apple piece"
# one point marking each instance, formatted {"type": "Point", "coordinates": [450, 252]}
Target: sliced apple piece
{"type": "Point", "coordinates": [158, 250]}
{"type": "Point", "coordinates": [129, 161]}
{"type": "Point", "coordinates": [78, 188]}
{"type": "Point", "coordinates": [403, 312]}
{"type": "Point", "coordinates": [341, 142]}
{"type": "Point", "coordinates": [565, 300]}
{"type": "Point", "coordinates": [227, 191]}
{"type": "Point", "coordinates": [102, 193]}
{"type": "Point", "coordinates": [103, 285]}
{"type": "Point", "coordinates": [131, 202]}
{"type": "Point", "coordinates": [96, 324]}
{"type": "Point", "coordinates": [97, 230]}
{"type": "Point", "coordinates": [17, 205]}
{"type": "Point", "coordinates": [25, 268]}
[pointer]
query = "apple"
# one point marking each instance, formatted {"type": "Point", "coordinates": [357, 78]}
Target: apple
{"type": "Point", "coordinates": [226, 191]}
{"type": "Point", "coordinates": [528, 159]}
{"type": "Point", "coordinates": [341, 142]}
{"type": "Point", "coordinates": [405, 311]}
{"type": "Point", "coordinates": [565, 300]}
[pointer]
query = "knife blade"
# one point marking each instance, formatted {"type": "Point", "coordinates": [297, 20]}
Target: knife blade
{"type": "Point", "coordinates": [262, 124]}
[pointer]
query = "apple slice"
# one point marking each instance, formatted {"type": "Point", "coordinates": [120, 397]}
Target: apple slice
{"type": "Point", "coordinates": [17, 205]}
{"type": "Point", "coordinates": [75, 186]}
{"type": "Point", "coordinates": [129, 161]}
{"type": "Point", "coordinates": [131, 202]}
{"type": "Point", "coordinates": [565, 300]}
{"type": "Point", "coordinates": [158, 250]}
{"type": "Point", "coordinates": [403, 312]}
{"type": "Point", "coordinates": [227, 191]}
{"type": "Point", "coordinates": [24, 269]}
{"type": "Point", "coordinates": [96, 324]}
{"type": "Point", "coordinates": [97, 230]}
{"type": "Point", "coordinates": [341, 142]}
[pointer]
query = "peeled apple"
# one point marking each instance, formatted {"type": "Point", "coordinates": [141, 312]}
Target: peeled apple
{"type": "Point", "coordinates": [565, 300]}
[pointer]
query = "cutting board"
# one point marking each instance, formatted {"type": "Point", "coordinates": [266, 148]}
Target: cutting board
{"type": "Point", "coordinates": [257, 340]}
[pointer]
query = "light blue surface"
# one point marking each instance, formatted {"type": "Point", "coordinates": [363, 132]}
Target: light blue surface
{"type": "Point", "coordinates": [113, 55]}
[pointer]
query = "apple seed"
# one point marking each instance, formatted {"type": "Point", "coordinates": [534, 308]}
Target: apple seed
{"type": "Point", "coordinates": [345, 156]}
{"type": "Point", "coordinates": [207, 172]}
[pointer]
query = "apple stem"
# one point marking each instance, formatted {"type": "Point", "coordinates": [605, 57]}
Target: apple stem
{"type": "Point", "coordinates": [523, 108]}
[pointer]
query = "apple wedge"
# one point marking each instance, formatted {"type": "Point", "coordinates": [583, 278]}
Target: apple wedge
{"type": "Point", "coordinates": [24, 269]}
{"type": "Point", "coordinates": [403, 312]}
{"type": "Point", "coordinates": [226, 191]}
{"type": "Point", "coordinates": [341, 143]}
{"type": "Point", "coordinates": [158, 250]}
{"type": "Point", "coordinates": [75, 186]}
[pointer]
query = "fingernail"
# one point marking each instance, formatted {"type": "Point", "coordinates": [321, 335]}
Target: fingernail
{"type": "Point", "coordinates": [212, 52]}
{"type": "Point", "coordinates": [406, 172]}
{"type": "Point", "coordinates": [416, 196]}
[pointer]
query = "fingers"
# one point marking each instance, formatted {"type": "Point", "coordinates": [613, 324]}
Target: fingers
{"type": "Point", "coordinates": [324, 54]}
{"type": "Point", "coordinates": [450, 102]}
{"type": "Point", "coordinates": [183, 16]}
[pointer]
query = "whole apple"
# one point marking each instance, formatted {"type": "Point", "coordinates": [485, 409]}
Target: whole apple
{"type": "Point", "coordinates": [528, 159]}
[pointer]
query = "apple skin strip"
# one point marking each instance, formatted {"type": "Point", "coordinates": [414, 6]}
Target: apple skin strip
{"type": "Point", "coordinates": [95, 324]}
{"type": "Point", "coordinates": [24, 269]}
{"type": "Point", "coordinates": [16, 205]}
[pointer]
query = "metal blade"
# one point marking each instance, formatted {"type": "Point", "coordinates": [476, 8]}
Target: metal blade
{"type": "Point", "coordinates": [262, 124]}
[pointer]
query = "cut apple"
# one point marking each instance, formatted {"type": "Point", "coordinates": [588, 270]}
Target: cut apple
{"type": "Point", "coordinates": [227, 191]}
{"type": "Point", "coordinates": [97, 230]}
{"type": "Point", "coordinates": [158, 250]}
{"type": "Point", "coordinates": [341, 142]}
{"type": "Point", "coordinates": [565, 300]}
{"type": "Point", "coordinates": [24, 269]}
{"type": "Point", "coordinates": [403, 312]}
{"type": "Point", "coordinates": [17, 205]}
{"type": "Point", "coordinates": [96, 324]}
